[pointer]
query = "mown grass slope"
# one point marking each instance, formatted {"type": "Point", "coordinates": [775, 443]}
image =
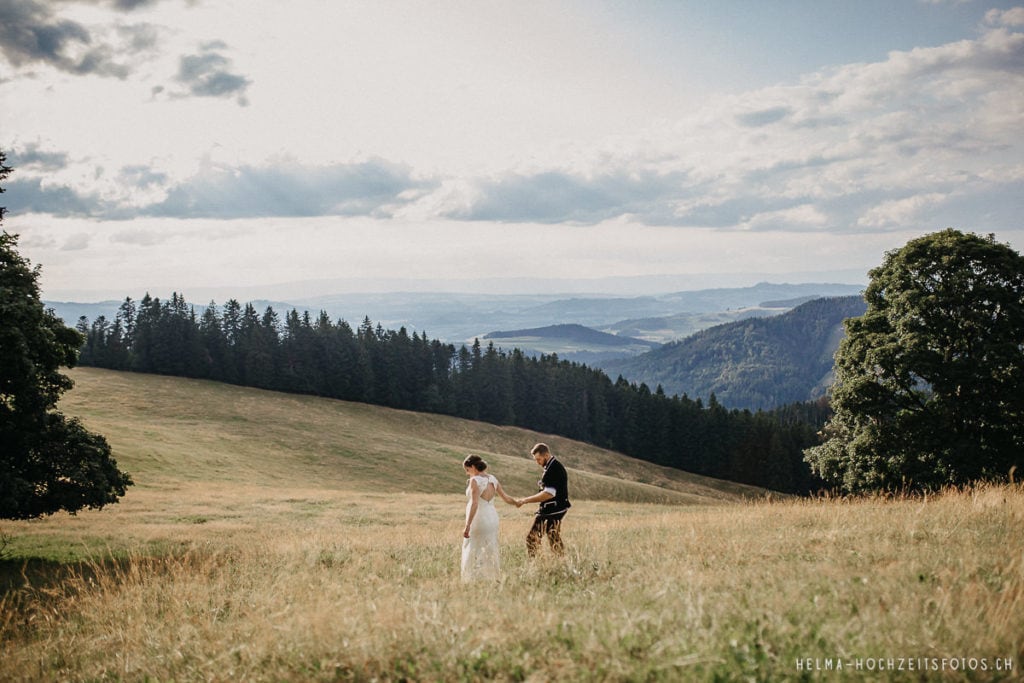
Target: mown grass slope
{"type": "Point", "coordinates": [165, 429]}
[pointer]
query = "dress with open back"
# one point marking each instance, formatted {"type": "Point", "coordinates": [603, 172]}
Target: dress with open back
{"type": "Point", "coordinates": [480, 551]}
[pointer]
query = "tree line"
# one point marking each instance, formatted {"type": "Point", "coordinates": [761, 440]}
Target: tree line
{"type": "Point", "coordinates": [301, 353]}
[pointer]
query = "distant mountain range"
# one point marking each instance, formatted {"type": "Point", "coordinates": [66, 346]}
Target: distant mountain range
{"type": "Point", "coordinates": [576, 332]}
{"type": "Point", "coordinates": [756, 363]}
{"type": "Point", "coordinates": [753, 347]}
{"type": "Point", "coordinates": [459, 318]}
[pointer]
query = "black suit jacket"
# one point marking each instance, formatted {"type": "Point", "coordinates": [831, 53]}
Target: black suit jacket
{"type": "Point", "coordinates": [557, 478]}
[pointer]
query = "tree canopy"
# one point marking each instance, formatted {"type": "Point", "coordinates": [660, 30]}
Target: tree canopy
{"type": "Point", "coordinates": [929, 387]}
{"type": "Point", "coordinates": [48, 462]}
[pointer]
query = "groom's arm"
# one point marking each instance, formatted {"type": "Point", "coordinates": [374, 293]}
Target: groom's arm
{"type": "Point", "coordinates": [539, 497]}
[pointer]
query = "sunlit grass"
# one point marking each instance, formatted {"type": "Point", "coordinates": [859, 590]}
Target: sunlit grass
{"type": "Point", "coordinates": [279, 538]}
{"type": "Point", "coordinates": [313, 585]}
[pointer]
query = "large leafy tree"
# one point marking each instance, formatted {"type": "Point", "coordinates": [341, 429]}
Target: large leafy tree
{"type": "Point", "coordinates": [48, 462]}
{"type": "Point", "coordinates": [929, 382]}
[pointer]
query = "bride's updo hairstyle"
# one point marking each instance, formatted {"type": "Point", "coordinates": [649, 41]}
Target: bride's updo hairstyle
{"type": "Point", "coordinates": [476, 462]}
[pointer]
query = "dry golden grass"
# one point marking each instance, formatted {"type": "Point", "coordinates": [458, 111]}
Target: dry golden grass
{"type": "Point", "coordinates": [252, 583]}
{"type": "Point", "coordinates": [238, 560]}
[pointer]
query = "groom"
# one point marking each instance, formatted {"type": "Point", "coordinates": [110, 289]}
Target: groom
{"type": "Point", "coordinates": [554, 502]}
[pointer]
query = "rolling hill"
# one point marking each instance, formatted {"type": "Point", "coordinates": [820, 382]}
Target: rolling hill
{"type": "Point", "coordinates": [755, 363]}
{"type": "Point", "coordinates": [670, 328]}
{"type": "Point", "coordinates": [166, 430]}
{"type": "Point", "coordinates": [570, 342]}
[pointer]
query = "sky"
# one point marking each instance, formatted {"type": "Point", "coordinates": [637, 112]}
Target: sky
{"type": "Point", "coordinates": [215, 147]}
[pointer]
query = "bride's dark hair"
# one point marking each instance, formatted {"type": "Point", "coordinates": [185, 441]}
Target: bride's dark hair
{"type": "Point", "coordinates": [476, 462]}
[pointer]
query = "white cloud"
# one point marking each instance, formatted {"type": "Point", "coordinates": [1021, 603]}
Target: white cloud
{"type": "Point", "coordinates": [921, 122]}
{"type": "Point", "coordinates": [846, 139]}
{"type": "Point", "coordinates": [796, 218]}
{"type": "Point", "coordinates": [841, 150]}
{"type": "Point", "coordinates": [77, 242]}
{"type": "Point", "coordinates": [488, 128]}
{"type": "Point", "coordinates": [282, 187]}
{"type": "Point", "coordinates": [1009, 17]}
{"type": "Point", "coordinates": [898, 212]}
{"type": "Point", "coordinates": [140, 237]}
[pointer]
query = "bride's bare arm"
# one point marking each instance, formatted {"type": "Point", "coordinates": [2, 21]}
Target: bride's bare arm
{"type": "Point", "coordinates": [504, 496]}
{"type": "Point", "coordinates": [471, 512]}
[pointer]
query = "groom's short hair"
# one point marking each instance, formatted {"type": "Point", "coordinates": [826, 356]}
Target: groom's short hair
{"type": "Point", "coordinates": [540, 449]}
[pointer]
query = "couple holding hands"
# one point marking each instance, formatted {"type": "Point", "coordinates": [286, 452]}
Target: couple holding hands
{"type": "Point", "coordinates": [480, 557]}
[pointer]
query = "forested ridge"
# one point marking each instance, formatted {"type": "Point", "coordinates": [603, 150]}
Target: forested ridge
{"type": "Point", "coordinates": [301, 353]}
{"type": "Point", "coordinates": [574, 332]}
{"type": "Point", "coordinates": [757, 363]}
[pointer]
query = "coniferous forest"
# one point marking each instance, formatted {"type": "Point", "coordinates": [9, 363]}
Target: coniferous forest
{"type": "Point", "coordinates": [300, 353]}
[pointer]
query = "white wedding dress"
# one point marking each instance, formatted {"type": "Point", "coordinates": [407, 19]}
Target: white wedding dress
{"type": "Point", "coordinates": [480, 551]}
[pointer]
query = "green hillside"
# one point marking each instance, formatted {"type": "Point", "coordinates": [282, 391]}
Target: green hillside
{"type": "Point", "coordinates": [670, 328]}
{"type": "Point", "coordinates": [755, 363]}
{"type": "Point", "coordinates": [165, 430]}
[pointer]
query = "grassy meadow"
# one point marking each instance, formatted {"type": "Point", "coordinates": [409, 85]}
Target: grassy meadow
{"type": "Point", "coordinates": [279, 538]}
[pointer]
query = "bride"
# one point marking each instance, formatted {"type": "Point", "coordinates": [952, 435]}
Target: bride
{"type": "Point", "coordinates": [480, 537]}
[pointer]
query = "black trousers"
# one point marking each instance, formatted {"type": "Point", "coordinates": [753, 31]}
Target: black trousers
{"type": "Point", "coordinates": [545, 526]}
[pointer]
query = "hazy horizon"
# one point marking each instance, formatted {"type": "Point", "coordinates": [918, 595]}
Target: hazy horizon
{"type": "Point", "coordinates": [611, 286]}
